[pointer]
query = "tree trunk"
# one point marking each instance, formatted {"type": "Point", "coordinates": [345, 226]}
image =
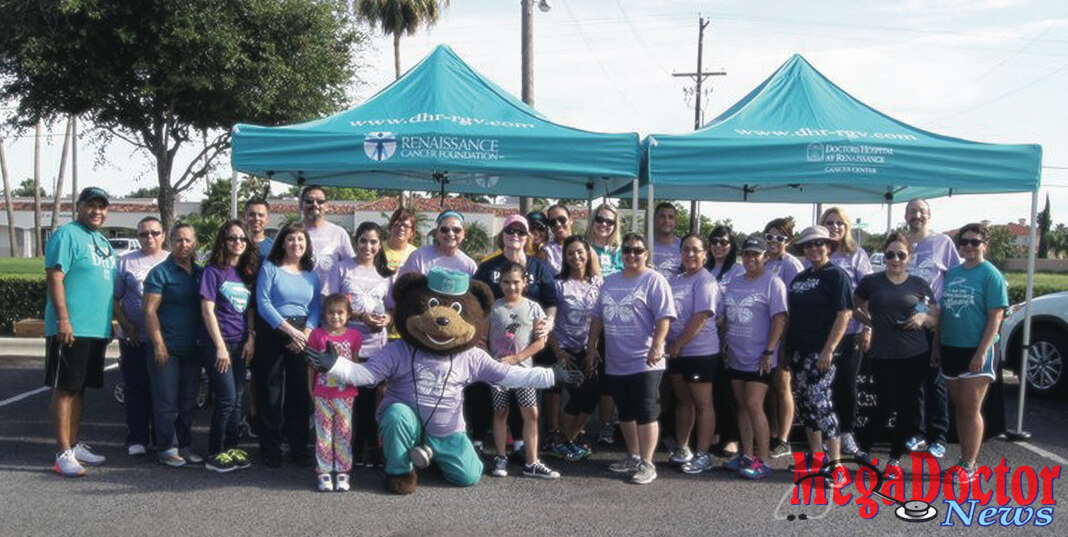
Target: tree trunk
{"type": "Point", "coordinates": [38, 251]}
{"type": "Point", "coordinates": [57, 198]}
{"type": "Point", "coordinates": [167, 194]}
{"type": "Point", "coordinates": [396, 54]}
{"type": "Point", "coordinates": [7, 199]}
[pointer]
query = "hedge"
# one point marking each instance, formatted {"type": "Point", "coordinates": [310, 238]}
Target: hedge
{"type": "Point", "coordinates": [1017, 294]}
{"type": "Point", "coordinates": [21, 297]}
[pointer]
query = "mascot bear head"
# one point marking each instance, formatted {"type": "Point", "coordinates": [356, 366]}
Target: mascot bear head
{"type": "Point", "coordinates": [443, 312]}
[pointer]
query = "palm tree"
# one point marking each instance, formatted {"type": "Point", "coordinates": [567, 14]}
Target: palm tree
{"type": "Point", "coordinates": [396, 17]}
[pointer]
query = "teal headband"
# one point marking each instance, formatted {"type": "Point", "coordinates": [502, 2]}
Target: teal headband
{"type": "Point", "coordinates": [449, 214]}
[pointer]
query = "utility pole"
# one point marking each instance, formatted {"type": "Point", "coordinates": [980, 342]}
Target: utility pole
{"type": "Point", "coordinates": [527, 66]}
{"type": "Point", "coordinates": [698, 77]}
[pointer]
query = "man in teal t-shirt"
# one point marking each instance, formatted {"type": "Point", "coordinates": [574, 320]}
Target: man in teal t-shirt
{"type": "Point", "coordinates": [80, 271]}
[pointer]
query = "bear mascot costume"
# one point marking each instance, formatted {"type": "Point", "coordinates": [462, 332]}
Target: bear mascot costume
{"type": "Point", "coordinates": [440, 317]}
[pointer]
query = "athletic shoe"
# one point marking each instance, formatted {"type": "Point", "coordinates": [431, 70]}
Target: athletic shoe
{"type": "Point", "coordinates": [326, 483]}
{"type": "Point", "coordinates": [240, 458]}
{"type": "Point", "coordinates": [220, 462]}
{"type": "Point", "coordinates": [966, 472]}
{"type": "Point", "coordinates": [190, 456]}
{"type": "Point", "coordinates": [582, 441]}
{"type": "Point", "coordinates": [893, 470]}
{"type": "Point", "coordinates": [500, 466]}
{"type": "Point", "coordinates": [757, 470]}
{"type": "Point", "coordinates": [808, 462]}
{"type": "Point", "coordinates": [701, 462]}
{"type": "Point", "coordinates": [552, 438]}
{"type": "Point", "coordinates": [915, 444]}
{"type": "Point", "coordinates": [738, 463]}
{"type": "Point", "coordinates": [84, 454]}
{"type": "Point", "coordinates": [171, 458]}
{"type": "Point", "coordinates": [136, 450]}
{"type": "Point", "coordinates": [579, 453]}
{"type": "Point", "coordinates": [626, 465]}
{"type": "Point", "coordinates": [539, 470]}
{"type": "Point", "coordinates": [67, 465]}
{"type": "Point", "coordinates": [342, 482]}
{"type": "Point", "coordinates": [645, 474]}
{"type": "Point", "coordinates": [849, 445]}
{"type": "Point", "coordinates": [863, 456]}
{"type": "Point", "coordinates": [607, 436]}
{"type": "Point", "coordinates": [681, 456]}
{"type": "Point", "coordinates": [937, 449]}
{"type": "Point", "coordinates": [779, 449]}
{"type": "Point", "coordinates": [838, 481]}
{"type": "Point", "coordinates": [721, 451]}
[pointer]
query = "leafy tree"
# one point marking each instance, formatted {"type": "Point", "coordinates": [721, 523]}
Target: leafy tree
{"type": "Point", "coordinates": [144, 192]}
{"type": "Point", "coordinates": [25, 189]}
{"type": "Point", "coordinates": [1043, 230]}
{"type": "Point", "coordinates": [396, 17]}
{"type": "Point", "coordinates": [1000, 246]}
{"type": "Point", "coordinates": [206, 227]}
{"type": "Point", "coordinates": [160, 74]}
{"type": "Point", "coordinates": [477, 241]}
{"type": "Point", "coordinates": [217, 200]}
{"type": "Point", "coordinates": [344, 193]}
{"type": "Point", "coordinates": [1057, 239]}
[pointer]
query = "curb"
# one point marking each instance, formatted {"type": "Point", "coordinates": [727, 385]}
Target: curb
{"type": "Point", "coordinates": [34, 347]}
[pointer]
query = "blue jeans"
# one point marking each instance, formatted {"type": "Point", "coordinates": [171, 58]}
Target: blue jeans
{"type": "Point", "coordinates": [229, 388]}
{"type": "Point", "coordinates": [174, 391]}
{"type": "Point", "coordinates": [137, 395]}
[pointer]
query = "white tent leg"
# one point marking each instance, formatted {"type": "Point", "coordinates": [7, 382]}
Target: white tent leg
{"type": "Point", "coordinates": [634, 205]}
{"type": "Point", "coordinates": [233, 195]}
{"type": "Point", "coordinates": [1025, 354]}
{"type": "Point", "coordinates": [889, 224]}
{"type": "Point", "coordinates": [649, 221]}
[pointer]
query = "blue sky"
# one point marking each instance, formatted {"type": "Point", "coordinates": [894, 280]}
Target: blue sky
{"type": "Point", "coordinates": [987, 70]}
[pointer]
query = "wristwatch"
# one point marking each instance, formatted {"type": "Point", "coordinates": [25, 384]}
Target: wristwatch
{"type": "Point", "coordinates": [767, 352]}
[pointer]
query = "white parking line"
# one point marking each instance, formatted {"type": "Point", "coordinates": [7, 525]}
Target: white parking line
{"type": "Point", "coordinates": [31, 393]}
{"type": "Point", "coordinates": [1043, 453]}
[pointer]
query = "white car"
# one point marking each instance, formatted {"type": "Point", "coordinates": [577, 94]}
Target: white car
{"type": "Point", "coordinates": [878, 262]}
{"type": "Point", "coordinates": [124, 246]}
{"type": "Point", "coordinates": [1049, 343]}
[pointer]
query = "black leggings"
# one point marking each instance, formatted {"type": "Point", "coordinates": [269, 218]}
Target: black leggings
{"type": "Point", "coordinates": [844, 389]}
{"type": "Point", "coordinates": [282, 390]}
{"type": "Point", "coordinates": [897, 385]}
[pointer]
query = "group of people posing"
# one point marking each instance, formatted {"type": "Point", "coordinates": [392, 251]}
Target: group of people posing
{"type": "Point", "coordinates": [743, 329]}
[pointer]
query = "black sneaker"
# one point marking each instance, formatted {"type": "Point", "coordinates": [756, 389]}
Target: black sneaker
{"type": "Point", "coordinates": [220, 462]}
{"type": "Point", "coordinates": [540, 471]}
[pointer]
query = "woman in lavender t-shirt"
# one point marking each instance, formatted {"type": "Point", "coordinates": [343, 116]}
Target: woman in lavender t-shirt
{"type": "Point", "coordinates": [694, 354]}
{"type": "Point", "coordinates": [778, 261]}
{"type": "Point", "coordinates": [367, 281]}
{"type": "Point", "coordinates": [635, 310]}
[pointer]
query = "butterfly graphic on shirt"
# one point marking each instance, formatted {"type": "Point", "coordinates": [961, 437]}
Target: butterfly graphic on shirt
{"type": "Point", "coordinates": [580, 308]}
{"type": "Point", "coordinates": [364, 301]}
{"type": "Point", "coordinates": [621, 309]}
{"type": "Point", "coordinates": [741, 311]}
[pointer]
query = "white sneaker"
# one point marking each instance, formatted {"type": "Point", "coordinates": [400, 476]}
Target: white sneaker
{"type": "Point", "coordinates": [136, 450]}
{"type": "Point", "coordinates": [190, 456]}
{"type": "Point", "coordinates": [500, 467]}
{"type": "Point", "coordinates": [646, 474]}
{"type": "Point", "coordinates": [342, 482]}
{"type": "Point", "coordinates": [326, 483]}
{"type": "Point", "coordinates": [681, 455]}
{"type": "Point", "coordinates": [626, 465]}
{"type": "Point", "coordinates": [84, 454]}
{"type": "Point", "coordinates": [67, 465]}
{"type": "Point", "coordinates": [171, 458]}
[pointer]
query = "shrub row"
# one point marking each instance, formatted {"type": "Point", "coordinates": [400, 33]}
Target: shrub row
{"type": "Point", "coordinates": [1017, 293]}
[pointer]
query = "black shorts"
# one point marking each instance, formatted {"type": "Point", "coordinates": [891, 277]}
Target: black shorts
{"type": "Point", "coordinates": [955, 362]}
{"type": "Point", "coordinates": [547, 358]}
{"type": "Point", "coordinates": [582, 399]}
{"type": "Point", "coordinates": [749, 376]}
{"type": "Point", "coordinates": [76, 367]}
{"type": "Point", "coordinates": [637, 396]}
{"type": "Point", "coordinates": [695, 369]}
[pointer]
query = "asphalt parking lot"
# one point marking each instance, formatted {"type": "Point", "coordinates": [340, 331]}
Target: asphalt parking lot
{"type": "Point", "coordinates": [136, 496]}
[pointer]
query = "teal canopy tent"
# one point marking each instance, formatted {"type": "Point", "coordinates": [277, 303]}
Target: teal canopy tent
{"type": "Point", "coordinates": [798, 137]}
{"type": "Point", "coordinates": [441, 126]}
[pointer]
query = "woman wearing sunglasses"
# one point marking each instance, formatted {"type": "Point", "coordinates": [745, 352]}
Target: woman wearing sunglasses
{"type": "Point", "coordinates": [603, 235]}
{"type": "Point", "coordinates": [723, 255]}
{"type": "Point", "coordinates": [851, 258]}
{"type": "Point", "coordinates": [821, 302]}
{"type": "Point", "coordinates": [445, 252]}
{"type": "Point", "coordinates": [899, 308]}
{"type": "Point", "coordinates": [559, 223]}
{"type": "Point", "coordinates": [635, 310]}
{"type": "Point", "coordinates": [723, 264]}
{"type": "Point", "coordinates": [778, 261]}
{"type": "Point", "coordinates": [974, 300]}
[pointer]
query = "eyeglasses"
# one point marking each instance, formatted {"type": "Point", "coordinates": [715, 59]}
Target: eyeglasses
{"type": "Point", "coordinates": [152, 233]}
{"type": "Point", "coordinates": [314, 201]}
{"type": "Point", "coordinates": [719, 242]}
{"type": "Point", "coordinates": [974, 243]}
{"type": "Point", "coordinates": [454, 230]}
{"type": "Point", "coordinates": [773, 237]}
{"type": "Point", "coordinates": [403, 225]}
{"type": "Point", "coordinates": [516, 231]}
{"type": "Point", "coordinates": [604, 221]}
{"type": "Point", "coordinates": [818, 243]}
{"type": "Point", "coordinates": [899, 255]}
{"type": "Point", "coordinates": [235, 238]}
{"type": "Point", "coordinates": [559, 221]}
{"type": "Point", "coordinates": [632, 250]}
{"type": "Point", "coordinates": [834, 223]}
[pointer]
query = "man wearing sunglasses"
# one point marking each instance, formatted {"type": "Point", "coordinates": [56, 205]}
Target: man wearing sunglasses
{"type": "Point", "coordinates": [933, 255]}
{"type": "Point", "coordinates": [330, 242]}
{"type": "Point", "coordinates": [130, 276]}
{"type": "Point", "coordinates": [80, 275]}
{"type": "Point", "coordinates": [445, 251]}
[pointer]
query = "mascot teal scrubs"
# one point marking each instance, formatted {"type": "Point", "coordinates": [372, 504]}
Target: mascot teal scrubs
{"type": "Point", "coordinates": [440, 316]}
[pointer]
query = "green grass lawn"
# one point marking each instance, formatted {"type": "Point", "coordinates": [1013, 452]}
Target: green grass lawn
{"type": "Point", "coordinates": [1058, 282]}
{"type": "Point", "coordinates": [22, 265]}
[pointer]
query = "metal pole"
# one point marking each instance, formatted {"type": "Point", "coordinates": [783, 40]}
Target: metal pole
{"type": "Point", "coordinates": [1019, 433]}
{"type": "Point", "coordinates": [234, 178]}
{"type": "Point", "coordinates": [634, 206]}
{"type": "Point", "coordinates": [649, 223]}
{"type": "Point", "coordinates": [889, 210]}
{"type": "Point", "coordinates": [527, 70]}
{"type": "Point", "coordinates": [73, 167]}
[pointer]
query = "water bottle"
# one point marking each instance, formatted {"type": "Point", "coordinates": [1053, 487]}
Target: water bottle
{"type": "Point", "coordinates": [922, 306]}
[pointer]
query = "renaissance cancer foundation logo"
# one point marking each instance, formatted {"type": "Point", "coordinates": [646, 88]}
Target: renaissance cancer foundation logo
{"type": "Point", "coordinates": [379, 146]}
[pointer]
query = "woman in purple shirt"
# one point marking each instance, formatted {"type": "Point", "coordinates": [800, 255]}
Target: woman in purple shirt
{"type": "Point", "coordinates": [850, 257]}
{"type": "Point", "coordinates": [635, 310]}
{"type": "Point", "coordinates": [778, 261]}
{"type": "Point", "coordinates": [694, 354]}
{"type": "Point", "coordinates": [225, 297]}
